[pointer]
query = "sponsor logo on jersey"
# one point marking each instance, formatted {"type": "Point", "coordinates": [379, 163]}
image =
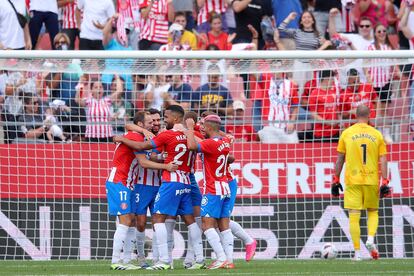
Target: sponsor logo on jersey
{"type": "Point", "coordinates": [124, 206]}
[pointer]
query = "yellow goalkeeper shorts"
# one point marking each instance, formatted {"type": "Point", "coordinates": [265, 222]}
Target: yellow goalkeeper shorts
{"type": "Point", "coordinates": [359, 197]}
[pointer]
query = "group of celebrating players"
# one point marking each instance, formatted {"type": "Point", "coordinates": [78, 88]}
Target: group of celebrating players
{"type": "Point", "coordinates": [153, 169]}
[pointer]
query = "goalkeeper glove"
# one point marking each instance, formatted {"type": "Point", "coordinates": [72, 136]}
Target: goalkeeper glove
{"type": "Point", "coordinates": [385, 190]}
{"type": "Point", "coordinates": [336, 186]}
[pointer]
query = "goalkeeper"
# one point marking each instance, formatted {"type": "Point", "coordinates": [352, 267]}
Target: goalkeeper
{"type": "Point", "coordinates": [361, 146]}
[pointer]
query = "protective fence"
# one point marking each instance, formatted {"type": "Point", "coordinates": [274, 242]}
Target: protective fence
{"type": "Point", "coordinates": [286, 111]}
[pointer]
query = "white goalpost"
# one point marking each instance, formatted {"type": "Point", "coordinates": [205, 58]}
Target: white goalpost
{"type": "Point", "coordinates": [52, 189]}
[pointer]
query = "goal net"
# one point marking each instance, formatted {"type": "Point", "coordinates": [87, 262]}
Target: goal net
{"type": "Point", "coordinates": [285, 109]}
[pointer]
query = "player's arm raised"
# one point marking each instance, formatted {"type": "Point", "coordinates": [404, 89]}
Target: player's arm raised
{"type": "Point", "coordinates": [191, 140]}
{"type": "Point", "coordinates": [148, 164]}
{"type": "Point", "coordinates": [139, 146]}
{"type": "Point", "coordinates": [133, 127]}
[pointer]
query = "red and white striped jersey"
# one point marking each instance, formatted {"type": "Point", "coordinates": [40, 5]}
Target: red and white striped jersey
{"type": "Point", "coordinates": [129, 10]}
{"type": "Point", "coordinates": [280, 96]}
{"type": "Point", "coordinates": [148, 177]}
{"type": "Point", "coordinates": [380, 73]}
{"type": "Point", "coordinates": [98, 111]}
{"type": "Point", "coordinates": [348, 19]}
{"type": "Point", "coordinates": [69, 16]}
{"type": "Point", "coordinates": [217, 6]}
{"type": "Point", "coordinates": [215, 152]}
{"type": "Point", "coordinates": [155, 26]}
{"type": "Point", "coordinates": [174, 144]}
{"type": "Point", "coordinates": [124, 164]}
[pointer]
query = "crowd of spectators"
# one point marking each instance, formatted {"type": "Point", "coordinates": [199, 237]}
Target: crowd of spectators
{"type": "Point", "coordinates": [76, 106]}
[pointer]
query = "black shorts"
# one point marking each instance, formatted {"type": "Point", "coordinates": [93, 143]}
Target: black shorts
{"type": "Point", "coordinates": [384, 93]}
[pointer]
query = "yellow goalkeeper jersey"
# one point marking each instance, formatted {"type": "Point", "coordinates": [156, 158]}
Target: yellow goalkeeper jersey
{"type": "Point", "coordinates": [362, 145]}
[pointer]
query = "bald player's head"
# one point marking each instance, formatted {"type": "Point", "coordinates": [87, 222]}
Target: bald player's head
{"type": "Point", "coordinates": [362, 112]}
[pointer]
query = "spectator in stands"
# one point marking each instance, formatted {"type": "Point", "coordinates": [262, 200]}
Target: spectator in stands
{"type": "Point", "coordinates": [249, 12]}
{"type": "Point", "coordinates": [380, 75]}
{"type": "Point", "coordinates": [51, 124]}
{"type": "Point", "coordinates": [32, 119]}
{"type": "Point", "coordinates": [185, 7]}
{"type": "Point", "coordinates": [179, 93]}
{"type": "Point", "coordinates": [175, 34]}
{"type": "Point", "coordinates": [155, 16]}
{"type": "Point", "coordinates": [12, 107]}
{"type": "Point", "coordinates": [378, 11]}
{"type": "Point", "coordinates": [323, 105]}
{"type": "Point", "coordinates": [98, 110]}
{"type": "Point", "coordinates": [242, 131]}
{"type": "Point", "coordinates": [116, 40]}
{"type": "Point", "coordinates": [3, 79]}
{"type": "Point", "coordinates": [281, 9]}
{"type": "Point", "coordinates": [121, 109]}
{"type": "Point", "coordinates": [355, 94]}
{"type": "Point", "coordinates": [307, 37]}
{"type": "Point", "coordinates": [156, 88]}
{"type": "Point", "coordinates": [407, 23]}
{"type": "Point", "coordinates": [206, 8]}
{"type": "Point", "coordinates": [408, 31]}
{"type": "Point", "coordinates": [64, 113]}
{"type": "Point", "coordinates": [279, 110]}
{"type": "Point", "coordinates": [212, 96]}
{"type": "Point", "coordinates": [69, 24]}
{"type": "Point", "coordinates": [62, 41]}
{"type": "Point", "coordinates": [362, 39]}
{"type": "Point", "coordinates": [404, 42]}
{"type": "Point", "coordinates": [12, 35]}
{"type": "Point", "coordinates": [321, 14]}
{"type": "Point", "coordinates": [43, 12]}
{"type": "Point", "coordinates": [208, 62]}
{"type": "Point", "coordinates": [216, 36]}
{"type": "Point", "coordinates": [96, 14]}
{"type": "Point", "coordinates": [188, 39]}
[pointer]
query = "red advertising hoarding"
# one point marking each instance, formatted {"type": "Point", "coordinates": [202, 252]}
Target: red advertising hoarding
{"type": "Point", "coordinates": [80, 170]}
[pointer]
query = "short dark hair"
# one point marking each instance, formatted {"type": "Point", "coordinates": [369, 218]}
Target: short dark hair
{"type": "Point", "coordinates": [192, 115]}
{"type": "Point", "coordinates": [28, 98]}
{"type": "Point", "coordinates": [326, 74]}
{"type": "Point", "coordinates": [140, 117]}
{"type": "Point", "coordinates": [179, 13]}
{"type": "Point", "coordinates": [153, 111]}
{"type": "Point", "coordinates": [176, 109]}
{"type": "Point", "coordinates": [353, 72]}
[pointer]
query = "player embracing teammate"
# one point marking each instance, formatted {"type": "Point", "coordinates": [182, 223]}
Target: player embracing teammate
{"type": "Point", "coordinates": [177, 196]}
{"type": "Point", "coordinates": [122, 200]}
{"type": "Point", "coordinates": [215, 204]}
{"type": "Point", "coordinates": [174, 195]}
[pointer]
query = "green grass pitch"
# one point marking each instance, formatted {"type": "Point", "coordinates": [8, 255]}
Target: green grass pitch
{"type": "Point", "coordinates": [254, 268]}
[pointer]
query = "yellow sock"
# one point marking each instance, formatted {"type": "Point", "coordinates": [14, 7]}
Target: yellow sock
{"type": "Point", "coordinates": [355, 229]}
{"type": "Point", "coordinates": [372, 223]}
